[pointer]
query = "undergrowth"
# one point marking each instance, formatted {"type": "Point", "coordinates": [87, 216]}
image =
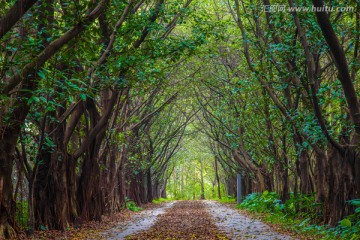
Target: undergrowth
{"type": "Point", "coordinates": [301, 214]}
{"type": "Point", "coordinates": [227, 199]}
{"type": "Point", "coordinates": [131, 205]}
{"type": "Point", "coordinates": [21, 216]}
{"type": "Point", "coordinates": [161, 200]}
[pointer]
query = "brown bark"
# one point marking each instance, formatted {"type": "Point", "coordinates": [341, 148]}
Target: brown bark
{"type": "Point", "coordinates": [149, 186]}
{"type": "Point", "coordinates": [133, 192]}
{"type": "Point", "coordinates": [14, 14]}
{"type": "Point", "coordinates": [50, 198]}
{"type": "Point", "coordinates": [7, 203]}
{"type": "Point", "coordinates": [313, 81]}
{"type": "Point", "coordinates": [122, 184]}
{"type": "Point", "coordinates": [339, 57]}
{"type": "Point", "coordinates": [202, 193]}
{"type": "Point", "coordinates": [30, 70]}
{"type": "Point", "coordinates": [217, 178]}
{"type": "Point", "coordinates": [285, 193]}
{"type": "Point", "coordinates": [10, 132]}
{"type": "Point", "coordinates": [340, 63]}
{"type": "Point", "coordinates": [341, 187]}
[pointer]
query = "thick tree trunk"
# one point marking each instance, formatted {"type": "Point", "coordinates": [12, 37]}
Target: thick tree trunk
{"type": "Point", "coordinates": [121, 184]}
{"type": "Point", "coordinates": [341, 186]}
{"type": "Point", "coordinates": [302, 166]}
{"type": "Point", "coordinates": [133, 192]}
{"type": "Point", "coordinates": [247, 189]}
{"type": "Point", "coordinates": [163, 189]}
{"type": "Point", "coordinates": [231, 185]}
{"type": "Point", "coordinates": [72, 188]}
{"type": "Point", "coordinates": [217, 178]}
{"type": "Point", "coordinates": [202, 194]}
{"type": "Point", "coordinates": [51, 194]}
{"type": "Point", "coordinates": [305, 181]}
{"type": "Point", "coordinates": [89, 189]}
{"type": "Point", "coordinates": [149, 186]}
{"type": "Point", "coordinates": [142, 187]}
{"type": "Point", "coordinates": [285, 193]}
{"type": "Point", "coordinates": [14, 14]}
{"type": "Point", "coordinates": [156, 190]}
{"type": "Point", "coordinates": [320, 176]}
{"type": "Point", "coordinates": [7, 204]}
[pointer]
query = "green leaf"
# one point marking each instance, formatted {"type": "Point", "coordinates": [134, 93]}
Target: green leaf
{"type": "Point", "coordinates": [355, 202]}
{"type": "Point", "coordinates": [357, 210]}
{"type": "Point", "coordinates": [41, 75]}
{"type": "Point", "coordinates": [33, 99]}
{"type": "Point", "coordinates": [345, 223]}
{"type": "Point", "coordinates": [83, 96]}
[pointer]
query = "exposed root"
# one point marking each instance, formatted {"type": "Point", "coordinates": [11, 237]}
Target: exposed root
{"type": "Point", "coordinates": [7, 231]}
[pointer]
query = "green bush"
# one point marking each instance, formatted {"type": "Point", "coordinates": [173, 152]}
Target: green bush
{"type": "Point", "coordinates": [349, 227]}
{"type": "Point", "coordinates": [268, 202]}
{"type": "Point", "coordinates": [301, 214]}
{"type": "Point", "coordinates": [131, 205]}
{"type": "Point", "coordinates": [301, 206]}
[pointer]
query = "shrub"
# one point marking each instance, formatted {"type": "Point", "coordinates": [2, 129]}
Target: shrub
{"type": "Point", "coordinates": [301, 213]}
{"type": "Point", "coordinates": [349, 227]}
{"type": "Point", "coordinates": [268, 202]}
{"type": "Point", "coordinates": [131, 205]}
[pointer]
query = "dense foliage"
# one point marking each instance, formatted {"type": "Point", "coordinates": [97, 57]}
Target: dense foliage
{"type": "Point", "coordinates": [108, 103]}
{"type": "Point", "coordinates": [270, 208]}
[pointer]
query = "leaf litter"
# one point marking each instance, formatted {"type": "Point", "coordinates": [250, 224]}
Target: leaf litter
{"type": "Point", "coordinates": [185, 220]}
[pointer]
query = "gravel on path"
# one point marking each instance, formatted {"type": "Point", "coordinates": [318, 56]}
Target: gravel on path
{"type": "Point", "coordinates": [193, 220]}
{"type": "Point", "coordinates": [238, 226]}
{"type": "Point", "coordinates": [140, 222]}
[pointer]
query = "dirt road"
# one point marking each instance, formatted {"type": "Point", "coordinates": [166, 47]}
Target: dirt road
{"type": "Point", "coordinates": [194, 220]}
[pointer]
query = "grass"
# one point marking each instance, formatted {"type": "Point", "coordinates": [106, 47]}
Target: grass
{"type": "Point", "coordinates": [228, 199]}
{"type": "Point", "coordinates": [161, 200]}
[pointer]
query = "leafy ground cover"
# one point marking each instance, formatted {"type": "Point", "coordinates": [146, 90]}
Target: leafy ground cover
{"type": "Point", "coordinates": [301, 215]}
{"type": "Point", "coordinates": [185, 220]}
{"type": "Point", "coordinates": [91, 230]}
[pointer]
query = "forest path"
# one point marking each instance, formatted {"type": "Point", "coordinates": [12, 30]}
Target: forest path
{"type": "Point", "coordinates": [237, 226]}
{"type": "Point", "coordinates": [139, 222]}
{"type": "Point", "coordinates": [194, 220]}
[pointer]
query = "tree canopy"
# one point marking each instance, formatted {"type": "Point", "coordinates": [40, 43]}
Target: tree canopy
{"type": "Point", "coordinates": [104, 101]}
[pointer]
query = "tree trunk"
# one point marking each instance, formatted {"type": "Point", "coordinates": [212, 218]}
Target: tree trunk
{"type": "Point", "coordinates": [121, 184]}
{"type": "Point", "coordinates": [133, 192]}
{"type": "Point", "coordinates": [217, 178]}
{"type": "Point", "coordinates": [50, 188]}
{"type": "Point", "coordinates": [7, 203]}
{"type": "Point", "coordinates": [202, 194]}
{"type": "Point", "coordinates": [285, 193]}
{"type": "Point", "coordinates": [149, 186]}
